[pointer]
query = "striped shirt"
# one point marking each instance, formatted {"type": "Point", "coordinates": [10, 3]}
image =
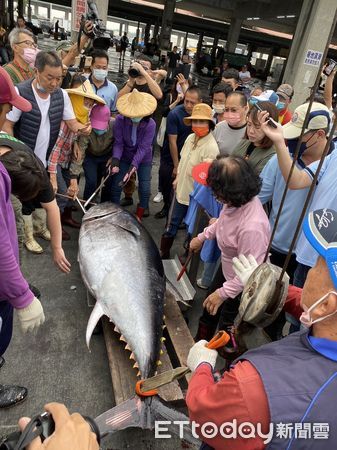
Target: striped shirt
{"type": "Point", "coordinates": [18, 73]}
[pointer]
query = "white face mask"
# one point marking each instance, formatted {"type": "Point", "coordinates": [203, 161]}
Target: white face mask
{"type": "Point", "coordinates": [306, 319]}
{"type": "Point", "coordinates": [219, 109]}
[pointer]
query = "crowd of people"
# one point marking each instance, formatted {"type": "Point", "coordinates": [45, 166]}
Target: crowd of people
{"type": "Point", "coordinates": [55, 125]}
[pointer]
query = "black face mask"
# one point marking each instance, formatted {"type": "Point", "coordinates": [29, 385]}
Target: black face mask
{"type": "Point", "coordinates": [292, 144]}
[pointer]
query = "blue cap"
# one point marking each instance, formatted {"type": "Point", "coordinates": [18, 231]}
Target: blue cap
{"type": "Point", "coordinates": [320, 228]}
{"type": "Point", "coordinates": [267, 96]}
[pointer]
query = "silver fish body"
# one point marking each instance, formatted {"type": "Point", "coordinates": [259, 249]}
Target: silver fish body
{"type": "Point", "coordinates": [122, 269]}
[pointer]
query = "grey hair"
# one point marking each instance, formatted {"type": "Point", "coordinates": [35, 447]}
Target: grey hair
{"type": "Point", "coordinates": [14, 35]}
{"type": "Point", "coordinates": [47, 58]}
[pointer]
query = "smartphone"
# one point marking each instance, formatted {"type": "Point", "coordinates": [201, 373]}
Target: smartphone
{"type": "Point", "coordinates": [330, 67]}
{"type": "Point", "coordinates": [270, 122]}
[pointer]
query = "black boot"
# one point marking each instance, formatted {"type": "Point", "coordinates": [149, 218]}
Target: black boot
{"type": "Point", "coordinates": [161, 214]}
{"type": "Point", "coordinates": [11, 395]}
{"type": "Point", "coordinates": [205, 331]}
{"type": "Point", "coordinates": [165, 246]}
{"type": "Point", "coordinates": [126, 201]}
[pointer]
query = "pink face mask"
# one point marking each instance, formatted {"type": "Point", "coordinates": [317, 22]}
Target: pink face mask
{"type": "Point", "coordinates": [232, 118]}
{"type": "Point", "coordinates": [29, 55]}
{"type": "Point", "coordinates": [306, 319]}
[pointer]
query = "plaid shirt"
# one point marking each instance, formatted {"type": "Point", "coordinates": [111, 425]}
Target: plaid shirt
{"type": "Point", "coordinates": [63, 149]}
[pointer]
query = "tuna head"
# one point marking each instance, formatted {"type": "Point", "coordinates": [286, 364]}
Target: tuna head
{"type": "Point", "coordinates": [121, 267]}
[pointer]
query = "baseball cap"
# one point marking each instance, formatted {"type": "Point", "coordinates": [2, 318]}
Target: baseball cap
{"type": "Point", "coordinates": [8, 93]}
{"type": "Point", "coordinates": [319, 118]}
{"type": "Point", "coordinates": [100, 117]}
{"type": "Point", "coordinates": [285, 91]}
{"type": "Point", "coordinates": [267, 96]}
{"type": "Point", "coordinates": [200, 172]}
{"type": "Point", "coordinates": [320, 228]}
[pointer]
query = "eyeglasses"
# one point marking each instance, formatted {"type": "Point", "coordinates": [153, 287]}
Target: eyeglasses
{"type": "Point", "coordinates": [28, 43]}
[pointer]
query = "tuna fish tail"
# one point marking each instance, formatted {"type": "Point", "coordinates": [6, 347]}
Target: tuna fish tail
{"type": "Point", "coordinates": [144, 414]}
{"type": "Point", "coordinates": [95, 315]}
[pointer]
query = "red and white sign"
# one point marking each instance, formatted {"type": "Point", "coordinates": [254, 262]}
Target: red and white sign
{"type": "Point", "coordinates": [79, 9]}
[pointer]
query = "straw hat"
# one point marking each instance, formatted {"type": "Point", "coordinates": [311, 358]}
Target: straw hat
{"type": "Point", "coordinates": [201, 111]}
{"type": "Point", "coordinates": [136, 104]}
{"type": "Point", "coordinates": [86, 90]}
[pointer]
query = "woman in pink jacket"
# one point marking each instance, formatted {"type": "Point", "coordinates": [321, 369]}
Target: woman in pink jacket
{"type": "Point", "coordinates": [242, 228]}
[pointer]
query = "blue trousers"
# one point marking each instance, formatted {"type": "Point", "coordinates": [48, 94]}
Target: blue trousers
{"type": "Point", "coordinates": [6, 330]}
{"type": "Point", "coordinates": [144, 183]}
{"type": "Point", "coordinates": [178, 215]}
{"type": "Point", "coordinates": [63, 182]}
{"type": "Point", "coordinates": [94, 169]}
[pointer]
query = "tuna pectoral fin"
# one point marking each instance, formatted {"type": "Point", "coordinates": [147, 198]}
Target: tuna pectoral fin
{"type": "Point", "coordinates": [95, 315]}
{"type": "Point", "coordinates": [139, 413]}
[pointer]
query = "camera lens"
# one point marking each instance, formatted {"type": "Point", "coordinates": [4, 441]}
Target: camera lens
{"type": "Point", "coordinates": [133, 73]}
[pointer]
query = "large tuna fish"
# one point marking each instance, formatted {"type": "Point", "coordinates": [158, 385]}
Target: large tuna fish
{"type": "Point", "coordinates": [122, 269]}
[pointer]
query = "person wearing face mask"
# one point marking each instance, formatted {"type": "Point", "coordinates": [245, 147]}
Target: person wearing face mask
{"type": "Point", "coordinates": [285, 93]}
{"type": "Point", "coordinates": [273, 185]}
{"type": "Point", "coordinates": [94, 152]}
{"type": "Point", "coordinates": [199, 146]}
{"type": "Point", "coordinates": [230, 131]}
{"type": "Point", "coordinates": [132, 149]}
{"type": "Point", "coordinates": [103, 87]}
{"type": "Point", "coordinates": [39, 129]}
{"type": "Point", "coordinates": [22, 42]}
{"type": "Point", "coordinates": [256, 147]}
{"type": "Point", "coordinates": [313, 143]}
{"type": "Point", "coordinates": [242, 225]}
{"type": "Point", "coordinates": [219, 96]}
{"type": "Point", "coordinates": [260, 388]}
{"type": "Point", "coordinates": [66, 149]}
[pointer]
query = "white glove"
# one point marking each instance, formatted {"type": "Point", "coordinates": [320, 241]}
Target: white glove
{"type": "Point", "coordinates": [199, 353]}
{"type": "Point", "coordinates": [32, 316]}
{"type": "Point", "coordinates": [244, 267]}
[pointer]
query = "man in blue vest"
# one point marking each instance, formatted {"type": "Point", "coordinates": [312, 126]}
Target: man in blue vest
{"type": "Point", "coordinates": [39, 127]}
{"type": "Point", "coordinates": [284, 392]}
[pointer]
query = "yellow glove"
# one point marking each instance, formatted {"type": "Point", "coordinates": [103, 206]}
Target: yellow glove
{"type": "Point", "coordinates": [71, 431]}
{"type": "Point", "coordinates": [32, 316]}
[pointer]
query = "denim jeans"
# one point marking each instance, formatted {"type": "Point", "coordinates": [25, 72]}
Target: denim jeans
{"type": "Point", "coordinates": [208, 272]}
{"type": "Point", "coordinates": [94, 169]}
{"type": "Point", "coordinates": [144, 183]}
{"type": "Point", "coordinates": [63, 182]}
{"type": "Point", "coordinates": [300, 274]}
{"type": "Point", "coordinates": [178, 215]}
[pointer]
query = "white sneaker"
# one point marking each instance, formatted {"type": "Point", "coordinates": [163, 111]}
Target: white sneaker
{"type": "Point", "coordinates": [199, 283]}
{"type": "Point", "coordinates": [158, 198]}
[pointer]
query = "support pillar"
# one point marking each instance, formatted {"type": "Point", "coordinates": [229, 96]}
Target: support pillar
{"type": "Point", "coordinates": [166, 24]}
{"type": "Point", "coordinates": [11, 12]}
{"type": "Point", "coordinates": [121, 29]}
{"type": "Point", "coordinates": [272, 53]}
{"type": "Point", "coordinates": [156, 30]}
{"type": "Point", "coordinates": [138, 32]}
{"type": "Point", "coordinates": [199, 45]}
{"type": "Point", "coordinates": [185, 41]}
{"type": "Point", "coordinates": [20, 8]}
{"type": "Point", "coordinates": [310, 39]}
{"type": "Point", "coordinates": [233, 34]}
{"type": "Point", "coordinates": [214, 48]}
{"type": "Point", "coordinates": [147, 33]}
{"type": "Point", "coordinates": [29, 11]}
{"type": "Point", "coordinates": [102, 7]}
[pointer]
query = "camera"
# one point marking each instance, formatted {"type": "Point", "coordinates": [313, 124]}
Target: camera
{"type": "Point", "coordinates": [133, 73]}
{"type": "Point", "coordinates": [99, 35]}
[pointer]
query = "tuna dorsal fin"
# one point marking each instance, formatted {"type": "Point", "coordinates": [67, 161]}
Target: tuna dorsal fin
{"type": "Point", "coordinates": [95, 315]}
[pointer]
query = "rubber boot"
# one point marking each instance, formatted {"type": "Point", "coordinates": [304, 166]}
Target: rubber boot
{"type": "Point", "coordinates": [205, 331]}
{"type": "Point", "coordinates": [30, 242]}
{"type": "Point", "coordinates": [165, 246]}
{"type": "Point", "coordinates": [66, 218]}
{"type": "Point", "coordinates": [140, 212]}
{"type": "Point", "coordinates": [40, 224]}
{"type": "Point", "coordinates": [11, 395]}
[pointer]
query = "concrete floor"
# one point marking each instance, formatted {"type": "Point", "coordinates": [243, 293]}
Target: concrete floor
{"type": "Point", "coordinates": [55, 364]}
